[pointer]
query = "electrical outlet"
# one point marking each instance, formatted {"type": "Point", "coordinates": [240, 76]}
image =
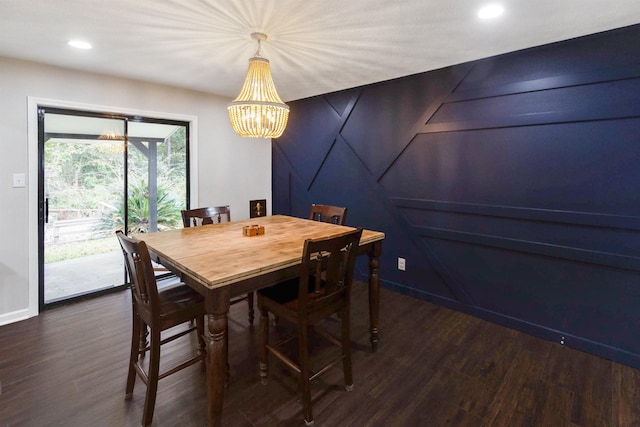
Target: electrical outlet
{"type": "Point", "coordinates": [401, 264]}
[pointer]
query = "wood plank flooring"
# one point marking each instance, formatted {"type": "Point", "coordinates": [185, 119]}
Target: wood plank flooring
{"type": "Point", "coordinates": [434, 367]}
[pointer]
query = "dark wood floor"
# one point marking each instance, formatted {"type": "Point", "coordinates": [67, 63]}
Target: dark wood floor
{"type": "Point", "coordinates": [434, 367]}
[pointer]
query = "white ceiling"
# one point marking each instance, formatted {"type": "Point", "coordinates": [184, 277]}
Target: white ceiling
{"type": "Point", "coordinates": [315, 46]}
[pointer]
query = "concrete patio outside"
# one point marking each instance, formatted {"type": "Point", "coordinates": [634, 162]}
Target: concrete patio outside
{"type": "Point", "coordinates": [82, 275]}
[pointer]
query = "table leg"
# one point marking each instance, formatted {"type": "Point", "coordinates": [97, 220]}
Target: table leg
{"type": "Point", "coordinates": [374, 293]}
{"type": "Point", "coordinates": [217, 307]}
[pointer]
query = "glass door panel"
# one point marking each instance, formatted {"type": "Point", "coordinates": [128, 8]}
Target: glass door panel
{"type": "Point", "coordinates": [100, 174]}
{"type": "Point", "coordinates": [83, 161]}
{"type": "Point", "coordinates": [157, 176]}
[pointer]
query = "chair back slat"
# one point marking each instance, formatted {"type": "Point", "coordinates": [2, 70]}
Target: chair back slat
{"type": "Point", "coordinates": [330, 264]}
{"type": "Point", "coordinates": [328, 213]}
{"type": "Point", "coordinates": [141, 275]}
{"type": "Point", "coordinates": [208, 215]}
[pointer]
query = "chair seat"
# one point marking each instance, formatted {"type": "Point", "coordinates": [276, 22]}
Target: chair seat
{"type": "Point", "coordinates": [286, 293]}
{"type": "Point", "coordinates": [283, 301]}
{"type": "Point", "coordinates": [178, 299]}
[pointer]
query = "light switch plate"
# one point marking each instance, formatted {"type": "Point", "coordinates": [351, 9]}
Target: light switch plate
{"type": "Point", "coordinates": [19, 180]}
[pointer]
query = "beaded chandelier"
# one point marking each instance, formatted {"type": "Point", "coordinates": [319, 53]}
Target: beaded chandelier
{"type": "Point", "coordinates": [258, 112]}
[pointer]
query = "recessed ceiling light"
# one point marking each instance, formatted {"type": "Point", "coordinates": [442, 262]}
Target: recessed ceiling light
{"type": "Point", "coordinates": [79, 44]}
{"type": "Point", "coordinates": [490, 11]}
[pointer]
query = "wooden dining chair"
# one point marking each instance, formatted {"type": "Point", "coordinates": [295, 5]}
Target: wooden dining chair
{"type": "Point", "coordinates": [216, 215]}
{"type": "Point", "coordinates": [322, 289]}
{"type": "Point", "coordinates": [158, 310]}
{"type": "Point", "coordinates": [208, 215]}
{"type": "Point", "coordinates": [328, 213]}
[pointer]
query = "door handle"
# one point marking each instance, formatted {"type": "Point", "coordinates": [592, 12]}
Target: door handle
{"type": "Point", "coordinates": [46, 210]}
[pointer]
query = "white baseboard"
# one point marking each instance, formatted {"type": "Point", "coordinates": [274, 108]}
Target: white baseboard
{"type": "Point", "coordinates": [14, 316]}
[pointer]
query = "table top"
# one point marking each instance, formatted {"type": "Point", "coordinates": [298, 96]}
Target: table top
{"type": "Point", "coordinates": [219, 254]}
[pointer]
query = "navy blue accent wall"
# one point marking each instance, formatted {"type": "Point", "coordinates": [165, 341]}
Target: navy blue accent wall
{"type": "Point", "coordinates": [511, 185]}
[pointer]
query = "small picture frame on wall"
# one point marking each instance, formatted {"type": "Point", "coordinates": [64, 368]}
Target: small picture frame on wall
{"type": "Point", "coordinates": [257, 208]}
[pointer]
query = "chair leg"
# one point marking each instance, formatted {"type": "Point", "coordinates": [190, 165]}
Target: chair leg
{"type": "Point", "coordinates": [305, 384]}
{"type": "Point", "coordinates": [200, 332]}
{"type": "Point", "coordinates": [133, 355]}
{"type": "Point", "coordinates": [250, 304]}
{"type": "Point", "coordinates": [154, 372]}
{"type": "Point", "coordinates": [264, 340]}
{"type": "Point", "coordinates": [346, 348]}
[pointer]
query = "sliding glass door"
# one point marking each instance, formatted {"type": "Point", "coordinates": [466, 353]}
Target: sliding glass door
{"type": "Point", "coordinates": [100, 173]}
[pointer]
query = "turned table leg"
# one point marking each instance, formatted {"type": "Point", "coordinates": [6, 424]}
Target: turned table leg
{"type": "Point", "coordinates": [374, 293]}
{"type": "Point", "coordinates": [217, 307]}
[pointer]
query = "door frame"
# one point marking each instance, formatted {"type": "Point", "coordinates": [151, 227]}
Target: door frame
{"type": "Point", "coordinates": [33, 104]}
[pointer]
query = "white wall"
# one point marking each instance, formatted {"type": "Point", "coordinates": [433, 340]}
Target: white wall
{"type": "Point", "coordinates": [231, 170]}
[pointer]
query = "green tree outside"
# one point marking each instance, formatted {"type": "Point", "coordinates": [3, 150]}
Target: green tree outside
{"type": "Point", "coordinates": [84, 179]}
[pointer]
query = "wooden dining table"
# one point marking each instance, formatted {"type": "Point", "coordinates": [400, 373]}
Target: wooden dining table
{"type": "Point", "coordinates": [220, 262]}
